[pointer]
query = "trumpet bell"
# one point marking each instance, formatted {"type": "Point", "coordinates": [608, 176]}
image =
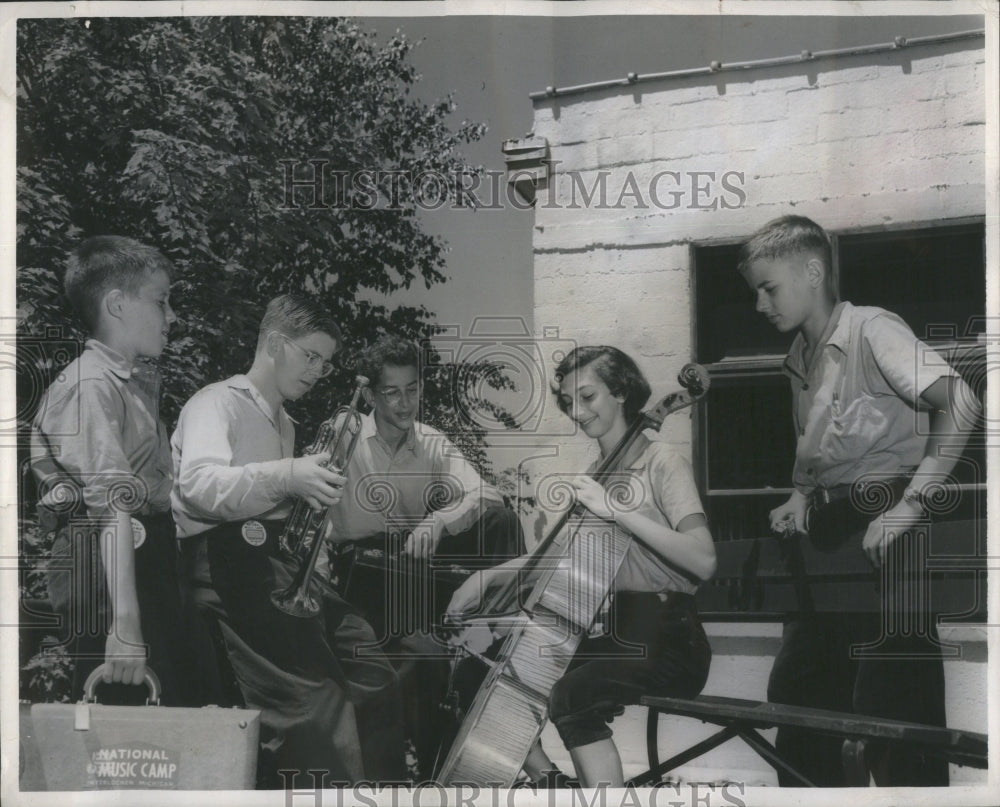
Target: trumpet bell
{"type": "Point", "coordinates": [295, 601]}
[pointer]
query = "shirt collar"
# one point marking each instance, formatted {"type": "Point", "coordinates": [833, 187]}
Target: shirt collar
{"type": "Point", "coordinates": [836, 334]}
{"type": "Point", "coordinates": [105, 357]}
{"type": "Point", "coordinates": [370, 431]}
{"type": "Point", "coordinates": [642, 442]}
{"type": "Point", "coordinates": [241, 381]}
{"type": "Point", "coordinates": [411, 438]}
{"type": "Point", "coordinates": [840, 338]}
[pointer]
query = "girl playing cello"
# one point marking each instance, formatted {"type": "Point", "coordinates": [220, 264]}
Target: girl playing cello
{"type": "Point", "coordinates": [653, 606]}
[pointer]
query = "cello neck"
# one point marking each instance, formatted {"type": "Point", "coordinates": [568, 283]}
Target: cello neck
{"type": "Point", "coordinates": [694, 381]}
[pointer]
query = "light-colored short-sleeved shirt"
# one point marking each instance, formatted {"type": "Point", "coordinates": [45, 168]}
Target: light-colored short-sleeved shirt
{"type": "Point", "coordinates": [232, 458]}
{"type": "Point", "coordinates": [857, 407]}
{"type": "Point", "coordinates": [97, 437]}
{"type": "Point", "coordinates": [663, 489]}
{"type": "Point", "coordinates": [427, 474]}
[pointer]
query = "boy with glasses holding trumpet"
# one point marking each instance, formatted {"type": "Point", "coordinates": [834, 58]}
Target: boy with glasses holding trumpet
{"type": "Point", "coordinates": [325, 706]}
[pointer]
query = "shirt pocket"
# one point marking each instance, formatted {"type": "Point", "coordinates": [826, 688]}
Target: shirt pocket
{"type": "Point", "coordinates": [853, 430]}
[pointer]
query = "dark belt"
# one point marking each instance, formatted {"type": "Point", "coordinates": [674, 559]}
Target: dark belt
{"type": "Point", "coordinates": [823, 497]}
{"type": "Point", "coordinates": [51, 520]}
{"type": "Point", "coordinates": [233, 531]}
{"type": "Point", "coordinates": [153, 520]}
{"type": "Point", "coordinates": [669, 599]}
{"type": "Point", "coordinates": [677, 599]}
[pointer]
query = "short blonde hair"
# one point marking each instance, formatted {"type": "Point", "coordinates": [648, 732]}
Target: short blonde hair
{"type": "Point", "coordinates": [785, 236]}
{"type": "Point", "coordinates": [296, 316]}
{"type": "Point", "coordinates": [106, 262]}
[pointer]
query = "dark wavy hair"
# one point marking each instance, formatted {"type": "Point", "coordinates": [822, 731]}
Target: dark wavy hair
{"type": "Point", "coordinates": [615, 368]}
{"type": "Point", "coordinates": [388, 350]}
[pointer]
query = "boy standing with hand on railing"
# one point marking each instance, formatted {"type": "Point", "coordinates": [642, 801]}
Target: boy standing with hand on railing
{"type": "Point", "coordinates": [871, 405]}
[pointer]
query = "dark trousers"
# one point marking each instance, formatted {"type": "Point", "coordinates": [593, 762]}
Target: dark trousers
{"type": "Point", "coordinates": [900, 676]}
{"type": "Point", "coordinates": [390, 601]}
{"type": "Point", "coordinates": [658, 648]}
{"type": "Point", "coordinates": [324, 699]}
{"type": "Point", "coordinates": [78, 590]}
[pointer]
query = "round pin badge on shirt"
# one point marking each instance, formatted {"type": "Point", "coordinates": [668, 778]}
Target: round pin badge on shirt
{"type": "Point", "coordinates": [254, 532]}
{"type": "Point", "coordinates": [138, 533]}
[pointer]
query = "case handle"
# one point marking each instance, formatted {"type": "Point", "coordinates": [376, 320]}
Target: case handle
{"type": "Point", "coordinates": [150, 680]}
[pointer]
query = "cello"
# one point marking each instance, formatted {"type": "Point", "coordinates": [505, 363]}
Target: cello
{"type": "Point", "coordinates": [570, 574]}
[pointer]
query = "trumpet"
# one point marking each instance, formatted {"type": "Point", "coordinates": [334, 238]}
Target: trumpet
{"type": "Point", "coordinates": [306, 529]}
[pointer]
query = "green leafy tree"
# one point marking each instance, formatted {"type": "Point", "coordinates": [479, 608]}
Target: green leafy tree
{"type": "Point", "coordinates": [179, 132]}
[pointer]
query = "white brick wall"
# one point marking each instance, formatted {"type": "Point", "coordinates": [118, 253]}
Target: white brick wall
{"type": "Point", "coordinates": [823, 134]}
{"type": "Point", "coordinates": [884, 139]}
{"type": "Point", "coordinates": [888, 139]}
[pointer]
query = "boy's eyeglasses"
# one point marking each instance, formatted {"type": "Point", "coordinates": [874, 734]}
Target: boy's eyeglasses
{"type": "Point", "coordinates": [314, 361]}
{"type": "Point", "coordinates": [394, 395]}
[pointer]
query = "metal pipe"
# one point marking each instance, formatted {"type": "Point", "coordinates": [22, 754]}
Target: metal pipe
{"type": "Point", "coordinates": [719, 67]}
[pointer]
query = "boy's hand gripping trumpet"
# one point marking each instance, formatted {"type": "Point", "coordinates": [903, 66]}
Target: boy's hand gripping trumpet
{"type": "Point", "coordinates": [307, 529]}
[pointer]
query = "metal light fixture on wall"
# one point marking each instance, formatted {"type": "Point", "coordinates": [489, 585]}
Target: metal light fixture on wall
{"type": "Point", "coordinates": [527, 165]}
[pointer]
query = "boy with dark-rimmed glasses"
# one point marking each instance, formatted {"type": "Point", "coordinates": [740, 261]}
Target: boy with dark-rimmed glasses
{"type": "Point", "coordinates": [325, 706]}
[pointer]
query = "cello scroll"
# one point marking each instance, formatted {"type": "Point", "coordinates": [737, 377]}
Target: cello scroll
{"type": "Point", "coordinates": [694, 380]}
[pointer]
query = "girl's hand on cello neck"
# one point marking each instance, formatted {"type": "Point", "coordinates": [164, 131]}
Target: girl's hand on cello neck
{"type": "Point", "coordinates": [592, 496]}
